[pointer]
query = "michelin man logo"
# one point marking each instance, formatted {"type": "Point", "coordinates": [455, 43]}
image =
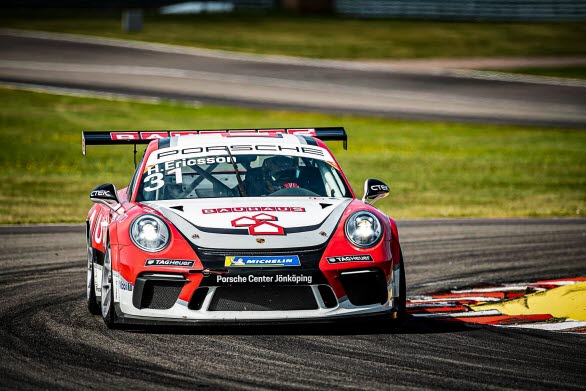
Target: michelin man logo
{"type": "Point", "coordinates": [238, 262]}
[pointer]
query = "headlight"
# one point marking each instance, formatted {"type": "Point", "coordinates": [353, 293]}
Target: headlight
{"type": "Point", "coordinates": [363, 229]}
{"type": "Point", "coordinates": [149, 233]}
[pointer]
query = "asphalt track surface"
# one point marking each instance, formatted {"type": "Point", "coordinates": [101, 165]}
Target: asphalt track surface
{"type": "Point", "coordinates": [251, 81]}
{"type": "Point", "coordinates": [48, 339]}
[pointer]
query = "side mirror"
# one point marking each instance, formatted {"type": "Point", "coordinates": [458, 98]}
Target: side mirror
{"type": "Point", "coordinates": [373, 190]}
{"type": "Point", "coordinates": [106, 195]}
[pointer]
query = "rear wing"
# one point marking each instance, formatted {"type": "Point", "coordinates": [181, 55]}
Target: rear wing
{"type": "Point", "coordinates": [146, 136]}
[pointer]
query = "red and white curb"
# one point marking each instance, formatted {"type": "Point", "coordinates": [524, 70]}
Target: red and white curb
{"type": "Point", "coordinates": [456, 306]}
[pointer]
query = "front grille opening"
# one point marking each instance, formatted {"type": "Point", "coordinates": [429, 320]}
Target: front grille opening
{"type": "Point", "coordinates": [365, 287]}
{"type": "Point", "coordinates": [198, 298]}
{"type": "Point", "coordinates": [161, 295]}
{"type": "Point", "coordinates": [327, 296]}
{"type": "Point", "coordinates": [263, 298]}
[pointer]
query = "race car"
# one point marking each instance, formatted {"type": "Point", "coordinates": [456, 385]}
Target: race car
{"type": "Point", "coordinates": [233, 225]}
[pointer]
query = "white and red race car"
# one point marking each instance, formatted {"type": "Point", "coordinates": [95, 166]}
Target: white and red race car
{"type": "Point", "coordinates": [239, 226]}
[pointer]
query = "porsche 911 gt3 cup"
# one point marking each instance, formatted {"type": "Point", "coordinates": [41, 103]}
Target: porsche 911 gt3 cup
{"type": "Point", "coordinates": [239, 226]}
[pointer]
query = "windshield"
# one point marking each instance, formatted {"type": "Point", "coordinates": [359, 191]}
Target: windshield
{"type": "Point", "coordinates": [241, 176]}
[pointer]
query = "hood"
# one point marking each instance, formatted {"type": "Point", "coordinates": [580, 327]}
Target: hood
{"type": "Point", "coordinates": [254, 222]}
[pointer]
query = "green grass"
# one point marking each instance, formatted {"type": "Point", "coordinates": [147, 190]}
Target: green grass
{"type": "Point", "coordinates": [434, 169]}
{"type": "Point", "coordinates": [573, 72]}
{"type": "Point", "coordinates": [322, 37]}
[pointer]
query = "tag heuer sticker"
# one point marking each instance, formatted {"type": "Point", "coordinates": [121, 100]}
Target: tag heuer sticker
{"type": "Point", "coordinates": [350, 258]}
{"type": "Point", "coordinates": [169, 262]}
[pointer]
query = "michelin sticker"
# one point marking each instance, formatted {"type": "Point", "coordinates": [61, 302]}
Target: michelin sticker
{"type": "Point", "coordinates": [125, 285]}
{"type": "Point", "coordinates": [237, 261]}
{"type": "Point", "coordinates": [350, 258]}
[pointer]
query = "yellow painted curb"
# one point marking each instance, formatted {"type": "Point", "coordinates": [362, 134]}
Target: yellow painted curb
{"type": "Point", "coordinates": [567, 301]}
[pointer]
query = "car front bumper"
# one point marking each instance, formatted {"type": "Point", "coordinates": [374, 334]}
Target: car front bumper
{"type": "Point", "coordinates": [182, 312]}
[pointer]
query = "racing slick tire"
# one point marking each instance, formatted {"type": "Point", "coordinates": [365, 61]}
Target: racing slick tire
{"type": "Point", "coordinates": [402, 299]}
{"type": "Point", "coordinates": [401, 304]}
{"type": "Point", "coordinates": [92, 301]}
{"type": "Point", "coordinates": [107, 305]}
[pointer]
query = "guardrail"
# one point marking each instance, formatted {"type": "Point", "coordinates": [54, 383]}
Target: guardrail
{"type": "Point", "coordinates": [496, 10]}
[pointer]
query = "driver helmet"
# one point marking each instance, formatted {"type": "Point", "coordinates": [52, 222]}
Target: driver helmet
{"type": "Point", "coordinates": [280, 172]}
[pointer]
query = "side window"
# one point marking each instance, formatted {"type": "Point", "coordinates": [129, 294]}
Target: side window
{"type": "Point", "coordinates": [334, 185]}
{"type": "Point", "coordinates": [134, 179]}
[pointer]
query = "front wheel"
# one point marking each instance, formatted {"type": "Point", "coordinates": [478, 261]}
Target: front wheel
{"type": "Point", "coordinates": [92, 302]}
{"type": "Point", "coordinates": [399, 304]}
{"type": "Point", "coordinates": [108, 312]}
{"type": "Point", "coordinates": [402, 298]}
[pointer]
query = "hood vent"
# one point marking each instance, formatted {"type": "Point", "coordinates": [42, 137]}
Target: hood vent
{"type": "Point", "coordinates": [323, 206]}
{"type": "Point", "coordinates": [179, 208]}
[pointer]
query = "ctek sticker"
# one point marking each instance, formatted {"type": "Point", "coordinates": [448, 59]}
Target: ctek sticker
{"type": "Point", "coordinates": [101, 193]}
{"type": "Point", "coordinates": [169, 262]}
{"type": "Point", "coordinates": [350, 258]}
{"type": "Point", "coordinates": [238, 261]}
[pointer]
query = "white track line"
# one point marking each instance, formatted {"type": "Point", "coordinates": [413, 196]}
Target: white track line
{"type": "Point", "coordinates": [493, 289]}
{"type": "Point", "coordinates": [433, 305]}
{"type": "Point", "coordinates": [557, 282]}
{"type": "Point", "coordinates": [515, 78]}
{"type": "Point", "coordinates": [83, 93]}
{"type": "Point", "coordinates": [416, 300]}
{"type": "Point", "coordinates": [468, 314]}
{"type": "Point", "coordinates": [568, 324]}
